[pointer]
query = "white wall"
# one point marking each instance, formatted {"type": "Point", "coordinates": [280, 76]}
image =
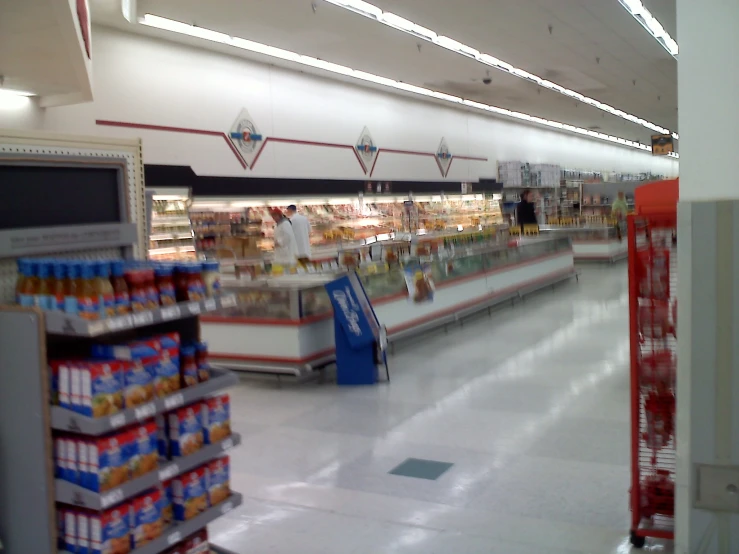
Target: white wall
{"type": "Point", "coordinates": [142, 80]}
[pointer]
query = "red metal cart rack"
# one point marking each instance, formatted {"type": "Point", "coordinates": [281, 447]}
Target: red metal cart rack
{"type": "Point", "coordinates": [652, 329]}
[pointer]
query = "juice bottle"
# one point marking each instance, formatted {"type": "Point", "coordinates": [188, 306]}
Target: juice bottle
{"type": "Point", "coordinates": [165, 284]}
{"type": "Point", "coordinates": [152, 293]}
{"type": "Point", "coordinates": [27, 292]}
{"type": "Point", "coordinates": [88, 300]}
{"type": "Point", "coordinates": [181, 279]}
{"type": "Point", "coordinates": [120, 288]}
{"type": "Point", "coordinates": [71, 286]}
{"type": "Point", "coordinates": [43, 292]}
{"type": "Point", "coordinates": [58, 286]}
{"type": "Point", "coordinates": [104, 289]}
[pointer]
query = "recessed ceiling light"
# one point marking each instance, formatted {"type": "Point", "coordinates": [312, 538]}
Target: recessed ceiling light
{"type": "Point", "coordinates": [256, 47]}
{"type": "Point", "coordinates": [373, 12]}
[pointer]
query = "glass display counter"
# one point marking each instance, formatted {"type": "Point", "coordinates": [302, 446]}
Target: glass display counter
{"type": "Point", "coordinates": [284, 324]}
{"type": "Point", "coordinates": [592, 243]}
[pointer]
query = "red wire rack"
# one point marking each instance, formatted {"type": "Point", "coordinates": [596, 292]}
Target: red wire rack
{"type": "Point", "coordinates": [653, 336]}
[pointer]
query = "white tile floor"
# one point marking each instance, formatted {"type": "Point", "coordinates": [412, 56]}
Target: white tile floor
{"type": "Point", "coordinates": [530, 406]}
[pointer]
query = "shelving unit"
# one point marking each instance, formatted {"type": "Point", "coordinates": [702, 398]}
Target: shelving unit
{"type": "Point", "coordinates": [27, 338]}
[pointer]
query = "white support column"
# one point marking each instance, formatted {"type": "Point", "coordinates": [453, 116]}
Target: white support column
{"type": "Point", "coordinates": [708, 269]}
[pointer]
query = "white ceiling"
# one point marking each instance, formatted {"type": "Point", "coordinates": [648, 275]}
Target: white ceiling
{"type": "Point", "coordinates": [41, 51]}
{"type": "Point", "coordinates": [595, 47]}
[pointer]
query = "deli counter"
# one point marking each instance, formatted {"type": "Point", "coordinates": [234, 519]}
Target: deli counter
{"type": "Point", "coordinates": [284, 324]}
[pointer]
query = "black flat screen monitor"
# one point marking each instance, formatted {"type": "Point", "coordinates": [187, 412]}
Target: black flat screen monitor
{"type": "Point", "coordinates": [51, 196]}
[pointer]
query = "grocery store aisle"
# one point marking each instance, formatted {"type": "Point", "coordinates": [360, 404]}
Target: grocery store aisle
{"type": "Point", "coordinates": [530, 408]}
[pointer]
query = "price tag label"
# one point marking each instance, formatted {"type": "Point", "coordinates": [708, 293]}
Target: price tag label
{"type": "Point", "coordinates": [120, 323]}
{"type": "Point", "coordinates": [145, 411]}
{"type": "Point", "coordinates": [117, 420]}
{"type": "Point", "coordinates": [170, 312]}
{"type": "Point", "coordinates": [143, 318]}
{"type": "Point", "coordinates": [168, 472]}
{"type": "Point", "coordinates": [227, 507]}
{"type": "Point", "coordinates": [194, 307]}
{"type": "Point", "coordinates": [113, 497]}
{"type": "Point", "coordinates": [228, 301]}
{"type": "Point", "coordinates": [228, 444]}
{"type": "Point", "coordinates": [97, 328]}
{"type": "Point", "coordinates": [210, 304]}
{"type": "Point", "coordinates": [174, 401]}
{"type": "Point", "coordinates": [174, 538]}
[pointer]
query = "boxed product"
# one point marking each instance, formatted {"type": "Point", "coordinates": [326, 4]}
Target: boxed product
{"type": "Point", "coordinates": [216, 419]}
{"type": "Point", "coordinates": [83, 533]}
{"type": "Point", "coordinates": [145, 451]}
{"type": "Point", "coordinates": [166, 507]}
{"type": "Point", "coordinates": [197, 543]}
{"type": "Point", "coordinates": [146, 518]}
{"type": "Point", "coordinates": [110, 531]}
{"type": "Point", "coordinates": [162, 435]}
{"type": "Point", "coordinates": [190, 494]}
{"type": "Point", "coordinates": [108, 461]}
{"type": "Point", "coordinates": [189, 366]}
{"type": "Point", "coordinates": [168, 369]}
{"type": "Point", "coordinates": [89, 387]}
{"type": "Point", "coordinates": [139, 383]}
{"type": "Point", "coordinates": [219, 485]}
{"type": "Point", "coordinates": [101, 388]}
{"type": "Point", "coordinates": [54, 382]}
{"type": "Point", "coordinates": [159, 355]}
{"type": "Point", "coordinates": [65, 452]}
{"type": "Point", "coordinates": [70, 530]}
{"type": "Point", "coordinates": [185, 430]}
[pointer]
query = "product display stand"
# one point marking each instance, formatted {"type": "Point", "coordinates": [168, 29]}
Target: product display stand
{"type": "Point", "coordinates": [357, 332]}
{"type": "Point", "coordinates": [653, 335]}
{"type": "Point", "coordinates": [27, 339]}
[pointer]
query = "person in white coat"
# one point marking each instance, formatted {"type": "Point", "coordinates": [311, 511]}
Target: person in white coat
{"type": "Point", "coordinates": [286, 250]}
{"type": "Point", "coordinates": [301, 228]}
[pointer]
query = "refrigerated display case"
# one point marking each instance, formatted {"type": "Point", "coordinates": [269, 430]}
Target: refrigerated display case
{"type": "Point", "coordinates": [284, 324]}
{"type": "Point", "coordinates": [243, 228]}
{"type": "Point", "coordinates": [170, 232]}
{"type": "Point", "coordinates": [592, 242]}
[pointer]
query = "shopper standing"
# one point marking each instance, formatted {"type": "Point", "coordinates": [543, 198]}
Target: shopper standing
{"type": "Point", "coordinates": [525, 211]}
{"type": "Point", "coordinates": [619, 211]}
{"type": "Point", "coordinates": [301, 228]}
{"type": "Point", "coordinates": [286, 250]}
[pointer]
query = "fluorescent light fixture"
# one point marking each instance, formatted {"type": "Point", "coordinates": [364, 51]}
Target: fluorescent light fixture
{"type": "Point", "coordinates": [461, 48]}
{"type": "Point", "coordinates": [360, 7]}
{"type": "Point", "coordinates": [243, 44]}
{"type": "Point", "coordinates": [14, 99]}
{"type": "Point", "coordinates": [650, 23]}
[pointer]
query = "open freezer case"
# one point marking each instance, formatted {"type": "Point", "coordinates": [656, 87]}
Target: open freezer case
{"type": "Point", "coordinates": [283, 324]}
